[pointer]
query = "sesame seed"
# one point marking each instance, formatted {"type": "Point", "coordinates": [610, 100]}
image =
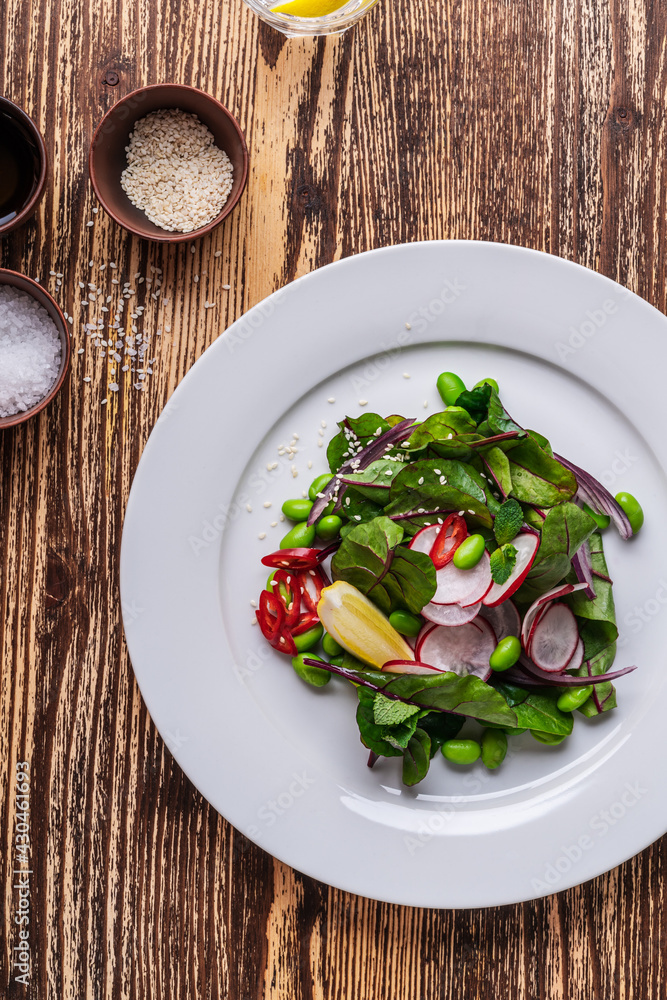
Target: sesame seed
{"type": "Point", "coordinates": [363, 402]}
{"type": "Point", "coordinates": [331, 399]}
{"type": "Point", "coordinates": [267, 503]}
{"type": "Point", "coordinates": [253, 604]}
{"type": "Point", "coordinates": [262, 534]}
{"type": "Point", "coordinates": [248, 508]}
{"type": "Point", "coordinates": [406, 375]}
{"type": "Point", "coordinates": [407, 326]}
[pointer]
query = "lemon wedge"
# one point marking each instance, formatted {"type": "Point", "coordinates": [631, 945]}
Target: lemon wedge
{"type": "Point", "coordinates": [308, 8]}
{"type": "Point", "coordinates": [357, 625]}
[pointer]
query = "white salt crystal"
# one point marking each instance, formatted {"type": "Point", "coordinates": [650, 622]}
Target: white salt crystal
{"type": "Point", "coordinates": [30, 351]}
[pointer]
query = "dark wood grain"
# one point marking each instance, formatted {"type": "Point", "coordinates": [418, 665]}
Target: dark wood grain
{"type": "Point", "coordinates": [542, 124]}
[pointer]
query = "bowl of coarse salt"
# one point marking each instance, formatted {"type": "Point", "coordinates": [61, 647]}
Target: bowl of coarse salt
{"type": "Point", "coordinates": [34, 348]}
{"type": "Point", "coordinates": [168, 163]}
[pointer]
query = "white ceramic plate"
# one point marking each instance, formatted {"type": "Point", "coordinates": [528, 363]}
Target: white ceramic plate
{"type": "Point", "coordinates": [578, 358]}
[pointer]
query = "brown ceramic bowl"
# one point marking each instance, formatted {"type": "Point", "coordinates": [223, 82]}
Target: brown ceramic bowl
{"type": "Point", "coordinates": [34, 141]}
{"type": "Point", "coordinates": [107, 158]}
{"type": "Point", "coordinates": [32, 288]}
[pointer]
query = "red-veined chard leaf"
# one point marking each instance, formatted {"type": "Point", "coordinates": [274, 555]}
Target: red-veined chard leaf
{"type": "Point", "coordinates": [393, 578]}
{"type": "Point", "coordinates": [564, 529]}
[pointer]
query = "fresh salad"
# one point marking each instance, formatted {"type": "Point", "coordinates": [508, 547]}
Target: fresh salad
{"type": "Point", "coordinates": [451, 570]}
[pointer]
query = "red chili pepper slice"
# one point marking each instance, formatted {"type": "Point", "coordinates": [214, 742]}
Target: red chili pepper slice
{"type": "Point", "coordinates": [284, 643]}
{"type": "Point", "coordinates": [270, 615]}
{"type": "Point", "coordinates": [306, 621]}
{"type": "Point", "coordinates": [287, 588]}
{"type": "Point", "coordinates": [295, 559]}
{"type": "Point", "coordinates": [312, 583]}
{"type": "Point", "coordinates": [453, 531]}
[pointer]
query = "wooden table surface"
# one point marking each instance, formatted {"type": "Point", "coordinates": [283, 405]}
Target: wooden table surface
{"type": "Point", "coordinates": [539, 123]}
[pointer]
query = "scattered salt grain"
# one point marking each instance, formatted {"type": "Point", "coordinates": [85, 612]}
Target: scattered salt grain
{"type": "Point", "coordinates": [30, 351]}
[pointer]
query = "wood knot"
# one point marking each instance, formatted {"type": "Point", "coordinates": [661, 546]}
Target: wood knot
{"type": "Point", "coordinates": [623, 119]}
{"type": "Point", "coordinates": [57, 587]}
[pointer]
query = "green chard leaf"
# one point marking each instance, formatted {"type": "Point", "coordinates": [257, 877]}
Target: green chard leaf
{"type": "Point", "coordinates": [432, 486]}
{"type": "Point", "coordinates": [564, 530]}
{"type": "Point", "coordinates": [446, 692]}
{"type": "Point", "coordinates": [537, 478]}
{"type": "Point", "coordinates": [363, 430]}
{"type": "Point", "coordinates": [393, 578]}
{"type": "Point", "coordinates": [416, 758]}
{"type": "Point", "coordinates": [498, 468]}
{"type": "Point", "coordinates": [441, 726]}
{"type": "Point", "coordinates": [476, 402]}
{"type": "Point", "coordinates": [442, 427]}
{"type": "Point", "coordinates": [508, 521]}
{"type": "Point", "coordinates": [374, 483]}
{"type": "Point", "coordinates": [357, 509]}
{"type": "Point", "coordinates": [498, 419]}
{"type": "Point", "coordinates": [536, 709]}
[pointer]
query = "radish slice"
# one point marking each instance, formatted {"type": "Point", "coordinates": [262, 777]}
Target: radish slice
{"type": "Point", "coordinates": [504, 620]}
{"type": "Point", "coordinates": [526, 545]}
{"type": "Point", "coordinates": [410, 667]}
{"type": "Point", "coordinates": [554, 639]}
{"type": "Point", "coordinates": [577, 657]}
{"type": "Point", "coordinates": [450, 615]}
{"type": "Point", "coordinates": [463, 650]}
{"type": "Point", "coordinates": [551, 595]}
{"type": "Point", "coordinates": [424, 539]}
{"type": "Point", "coordinates": [420, 638]}
{"type": "Point", "coordinates": [463, 586]}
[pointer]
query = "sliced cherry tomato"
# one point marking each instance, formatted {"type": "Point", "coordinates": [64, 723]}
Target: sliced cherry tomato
{"type": "Point", "coordinates": [270, 615]}
{"type": "Point", "coordinates": [306, 621]}
{"type": "Point", "coordinates": [295, 559]}
{"type": "Point", "coordinates": [312, 581]}
{"type": "Point", "coordinates": [287, 588]}
{"type": "Point", "coordinates": [453, 531]}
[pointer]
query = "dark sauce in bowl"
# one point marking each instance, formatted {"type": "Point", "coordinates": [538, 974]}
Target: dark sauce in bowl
{"type": "Point", "coordinates": [19, 167]}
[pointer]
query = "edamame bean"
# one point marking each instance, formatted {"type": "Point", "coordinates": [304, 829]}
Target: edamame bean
{"type": "Point", "coordinates": [297, 510]}
{"type": "Point", "coordinates": [450, 387]}
{"type": "Point", "coordinates": [336, 660]}
{"type": "Point", "coordinates": [328, 527]}
{"type": "Point", "coordinates": [574, 698]}
{"type": "Point", "coordinates": [632, 508]}
{"type": "Point", "coordinates": [404, 622]}
{"type": "Point", "coordinates": [602, 520]}
{"type": "Point", "coordinates": [318, 485]}
{"type": "Point", "coordinates": [311, 675]}
{"type": "Point", "coordinates": [487, 381]}
{"type": "Point", "coordinates": [330, 646]}
{"type": "Point", "coordinates": [494, 748]}
{"type": "Point", "coordinates": [308, 639]}
{"type": "Point", "coordinates": [551, 739]}
{"type": "Point", "coordinates": [506, 653]}
{"type": "Point", "coordinates": [301, 536]}
{"type": "Point", "coordinates": [461, 751]}
{"type": "Point", "coordinates": [469, 552]}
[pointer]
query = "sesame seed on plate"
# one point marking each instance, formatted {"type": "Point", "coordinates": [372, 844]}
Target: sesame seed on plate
{"type": "Point", "coordinates": [267, 503]}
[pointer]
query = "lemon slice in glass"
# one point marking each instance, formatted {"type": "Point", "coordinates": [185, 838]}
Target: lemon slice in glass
{"type": "Point", "coordinates": [308, 8]}
{"type": "Point", "coordinates": [357, 625]}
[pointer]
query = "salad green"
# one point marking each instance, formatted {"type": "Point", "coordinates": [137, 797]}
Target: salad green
{"type": "Point", "coordinates": [468, 582]}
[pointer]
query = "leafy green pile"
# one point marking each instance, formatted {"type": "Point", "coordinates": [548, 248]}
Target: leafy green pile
{"type": "Point", "coordinates": [471, 459]}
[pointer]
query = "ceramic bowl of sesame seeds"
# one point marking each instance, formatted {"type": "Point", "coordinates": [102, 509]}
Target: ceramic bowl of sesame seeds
{"type": "Point", "coordinates": [34, 348]}
{"type": "Point", "coordinates": [168, 163]}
